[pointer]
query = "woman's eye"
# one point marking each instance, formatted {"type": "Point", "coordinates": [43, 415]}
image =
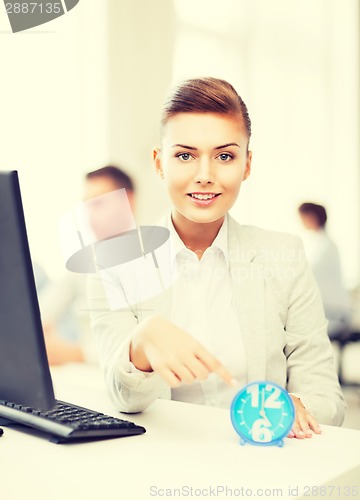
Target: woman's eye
{"type": "Point", "coordinates": [225, 157]}
{"type": "Point", "coordinates": [184, 156]}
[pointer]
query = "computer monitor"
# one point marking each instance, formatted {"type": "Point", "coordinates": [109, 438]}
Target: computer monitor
{"type": "Point", "coordinates": [24, 370]}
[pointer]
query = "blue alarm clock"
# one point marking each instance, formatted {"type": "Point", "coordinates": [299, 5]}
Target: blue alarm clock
{"type": "Point", "coordinates": [262, 413]}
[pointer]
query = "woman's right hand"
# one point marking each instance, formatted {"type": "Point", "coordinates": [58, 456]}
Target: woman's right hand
{"type": "Point", "coordinates": [160, 346]}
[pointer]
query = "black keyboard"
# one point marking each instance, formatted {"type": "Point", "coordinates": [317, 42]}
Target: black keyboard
{"type": "Point", "coordinates": [68, 423]}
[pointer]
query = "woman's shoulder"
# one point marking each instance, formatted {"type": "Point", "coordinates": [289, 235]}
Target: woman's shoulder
{"type": "Point", "coordinates": [257, 233]}
{"type": "Point", "coordinates": [264, 241]}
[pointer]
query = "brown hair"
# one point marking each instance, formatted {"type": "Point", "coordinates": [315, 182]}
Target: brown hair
{"type": "Point", "coordinates": [318, 211]}
{"type": "Point", "coordinates": [206, 95]}
{"type": "Point", "coordinates": [120, 178]}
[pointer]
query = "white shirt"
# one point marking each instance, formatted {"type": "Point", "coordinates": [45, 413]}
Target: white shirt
{"type": "Point", "coordinates": [203, 305]}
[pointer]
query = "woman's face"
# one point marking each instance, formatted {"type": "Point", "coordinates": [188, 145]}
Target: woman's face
{"type": "Point", "coordinates": [203, 160]}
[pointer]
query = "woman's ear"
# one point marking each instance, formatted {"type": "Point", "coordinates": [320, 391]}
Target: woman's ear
{"type": "Point", "coordinates": [248, 166]}
{"type": "Point", "coordinates": [157, 162]}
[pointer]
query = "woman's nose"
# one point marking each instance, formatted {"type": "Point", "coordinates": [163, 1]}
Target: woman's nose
{"type": "Point", "coordinates": [204, 174]}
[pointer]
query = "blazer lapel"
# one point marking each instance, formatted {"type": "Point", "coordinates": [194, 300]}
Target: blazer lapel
{"type": "Point", "coordinates": [249, 293]}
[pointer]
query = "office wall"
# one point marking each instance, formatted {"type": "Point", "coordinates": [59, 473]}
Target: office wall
{"type": "Point", "coordinates": [141, 44]}
{"type": "Point", "coordinates": [53, 108]}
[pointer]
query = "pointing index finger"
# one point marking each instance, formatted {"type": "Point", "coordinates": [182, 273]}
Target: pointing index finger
{"type": "Point", "coordinates": [215, 366]}
{"type": "Point", "coordinates": [226, 376]}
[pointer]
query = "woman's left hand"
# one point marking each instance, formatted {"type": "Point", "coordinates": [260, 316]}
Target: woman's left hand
{"type": "Point", "coordinates": [305, 424]}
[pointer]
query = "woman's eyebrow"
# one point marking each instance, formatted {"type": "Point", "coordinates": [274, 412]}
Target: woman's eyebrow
{"type": "Point", "coordinates": [184, 146]}
{"type": "Point", "coordinates": [227, 145]}
{"type": "Point", "coordinates": [195, 149]}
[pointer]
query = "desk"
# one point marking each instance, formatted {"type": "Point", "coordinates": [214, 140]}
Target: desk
{"type": "Point", "coordinates": [185, 446]}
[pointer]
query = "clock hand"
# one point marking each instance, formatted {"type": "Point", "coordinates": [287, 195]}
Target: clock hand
{"type": "Point", "coordinates": [262, 411]}
{"type": "Point", "coordinates": [263, 415]}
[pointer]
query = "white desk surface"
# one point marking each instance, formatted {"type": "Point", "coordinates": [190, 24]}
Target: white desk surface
{"type": "Point", "coordinates": [185, 446]}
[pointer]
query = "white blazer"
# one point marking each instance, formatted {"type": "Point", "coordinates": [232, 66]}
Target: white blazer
{"type": "Point", "coordinates": [282, 322]}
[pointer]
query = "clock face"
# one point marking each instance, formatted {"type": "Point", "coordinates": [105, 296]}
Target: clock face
{"type": "Point", "coordinates": [262, 413]}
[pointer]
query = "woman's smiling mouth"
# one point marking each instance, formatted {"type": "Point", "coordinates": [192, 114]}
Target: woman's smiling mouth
{"type": "Point", "coordinates": [203, 199]}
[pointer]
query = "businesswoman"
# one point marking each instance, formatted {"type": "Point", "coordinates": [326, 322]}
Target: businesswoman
{"type": "Point", "coordinates": [244, 306]}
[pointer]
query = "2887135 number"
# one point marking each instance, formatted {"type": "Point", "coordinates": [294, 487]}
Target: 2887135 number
{"type": "Point", "coordinates": [331, 491]}
{"type": "Point", "coordinates": [33, 8]}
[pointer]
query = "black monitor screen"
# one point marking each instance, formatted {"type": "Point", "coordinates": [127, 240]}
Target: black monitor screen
{"type": "Point", "coordinates": [24, 371]}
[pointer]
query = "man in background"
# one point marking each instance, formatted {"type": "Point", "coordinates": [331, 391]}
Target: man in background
{"type": "Point", "coordinates": [324, 259]}
{"type": "Point", "coordinates": [63, 304]}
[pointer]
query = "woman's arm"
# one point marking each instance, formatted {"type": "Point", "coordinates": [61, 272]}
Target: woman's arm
{"type": "Point", "coordinates": [143, 360]}
{"type": "Point", "coordinates": [131, 390]}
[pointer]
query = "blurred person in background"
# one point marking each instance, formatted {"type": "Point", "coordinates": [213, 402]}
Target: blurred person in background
{"type": "Point", "coordinates": [63, 304]}
{"type": "Point", "coordinates": [324, 259]}
{"type": "Point", "coordinates": [66, 324]}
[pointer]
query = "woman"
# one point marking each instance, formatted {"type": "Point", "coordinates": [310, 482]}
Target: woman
{"type": "Point", "coordinates": [244, 306]}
